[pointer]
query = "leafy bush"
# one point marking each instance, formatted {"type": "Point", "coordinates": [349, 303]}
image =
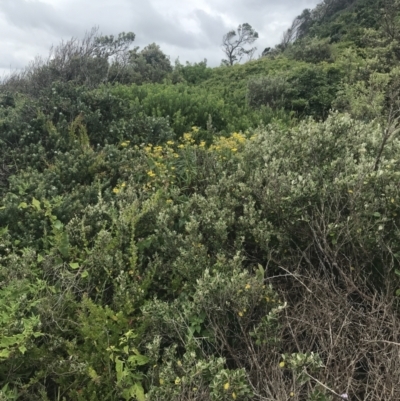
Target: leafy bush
{"type": "Point", "coordinates": [221, 235]}
{"type": "Point", "coordinates": [311, 51]}
{"type": "Point", "coordinates": [272, 91]}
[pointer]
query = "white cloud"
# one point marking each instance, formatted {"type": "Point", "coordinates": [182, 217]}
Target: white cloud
{"type": "Point", "coordinates": [191, 30]}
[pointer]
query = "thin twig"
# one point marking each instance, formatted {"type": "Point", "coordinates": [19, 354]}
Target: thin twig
{"type": "Point", "coordinates": [295, 276]}
{"type": "Point", "coordinates": [324, 386]}
{"type": "Point", "coordinates": [382, 341]}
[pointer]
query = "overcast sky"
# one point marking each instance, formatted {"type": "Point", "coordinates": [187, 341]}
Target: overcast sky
{"type": "Point", "coordinates": [189, 29]}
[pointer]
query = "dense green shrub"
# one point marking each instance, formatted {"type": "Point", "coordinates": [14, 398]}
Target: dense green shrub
{"type": "Point", "coordinates": [148, 65]}
{"type": "Point", "coordinates": [311, 50]}
{"type": "Point", "coordinates": [194, 73]}
{"type": "Point", "coordinates": [171, 249]}
{"type": "Point", "coordinates": [272, 91]}
{"type": "Point", "coordinates": [307, 90]}
{"type": "Point", "coordinates": [218, 235]}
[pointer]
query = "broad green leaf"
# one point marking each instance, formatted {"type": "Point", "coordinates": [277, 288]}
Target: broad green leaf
{"type": "Point", "coordinates": [58, 225]}
{"type": "Point", "coordinates": [74, 265]}
{"type": "Point", "coordinates": [4, 353]}
{"type": "Point", "coordinates": [22, 349]}
{"type": "Point", "coordinates": [138, 392]}
{"type": "Point", "coordinates": [138, 360]}
{"type": "Point", "coordinates": [36, 204]}
{"type": "Point", "coordinates": [22, 205]}
{"type": "Point", "coordinates": [85, 274]}
{"type": "Point", "coordinates": [119, 367]}
{"type": "Point", "coordinates": [64, 245]}
{"type": "Point", "coordinates": [92, 373]}
{"type": "Point", "coordinates": [9, 341]}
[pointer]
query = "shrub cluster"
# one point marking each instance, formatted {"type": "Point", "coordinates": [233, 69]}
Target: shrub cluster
{"type": "Point", "coordinates": [201, 271]}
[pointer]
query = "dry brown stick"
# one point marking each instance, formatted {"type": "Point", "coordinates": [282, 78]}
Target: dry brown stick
{"type": "Point", "coordinates": [382, 341]}
{"type": "Point", "coordinates": [295, 276]}
{"type": "Point", "coordinates": [324, 386]}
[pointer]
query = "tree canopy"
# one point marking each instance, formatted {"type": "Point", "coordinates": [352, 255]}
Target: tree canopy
{"type": "Point", "coordinates": [234, 44]}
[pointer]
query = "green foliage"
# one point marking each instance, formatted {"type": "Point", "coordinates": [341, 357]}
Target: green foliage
{"type": "Point", "coordinates": [311, 50]}
{"type": "Point", "coordinates": [148, 65]}
{"type": "Point", "coordinates": [161, 228]}
{"type": "Point", "coordinates": [84, 62]}
{"type": "Point", "coordinates": [188, 106]}
{"type": "Point", "coordinates": [223, 309]}
{"type": "Point", "coordinates": [308, 89]}
{"type": "Point", "coordinates": [194, 73]}
{"type": "Point", "coordinates": [272, 91]}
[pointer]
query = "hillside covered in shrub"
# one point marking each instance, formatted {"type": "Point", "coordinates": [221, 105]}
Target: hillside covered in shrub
{"type": "Point", "coordinates": [180, 232]}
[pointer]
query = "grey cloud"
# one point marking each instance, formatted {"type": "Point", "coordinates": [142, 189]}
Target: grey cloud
{"type": "Point", "coordinates": [31, 26]}
{"type": "Point", "coordinates": [36, 14]}
{"type": "Point", "coordinates": [212, 26]}
{"type": "Point", "coordinates": [151, 25]}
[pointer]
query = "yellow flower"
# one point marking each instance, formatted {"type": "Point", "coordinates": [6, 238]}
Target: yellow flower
{"type": "Point", "coordinates": [123, 185]}
{"type": "Point", "coordinates": [116, 190]}
{"type": "Point", "coordinates": [151, 173]}
{"type": "Point", "coordinates": [179, 363]}
{"type": "Point", "coordinates": [194, 389]}
{"type": "Point", "coordinates": [240, 313]}
{"type": "Point", "coordinates": [169, 201]}
{"type": "Point", "coordinates": [161, 382]}
{"type": "Point", "coordinates": [202, 144]}
{"type": "Point", "coordinates": [178, 381]}
{"type": "Point", "coordinates": [234, 149]}
{"type": "Point", "coordinates": [234, 396]}
{"type": "Point", "coordinates": [181, 146]}
{"type": "Point", "coordinates": [226, 386]}
{"type": "Point", "coordinates": [248, 286]}
{"type": "Point", "coordinates": [282, 364]}
{"type": "Point", "coordinates": [292, 394]}
{"type": "Point", "coordinates": [238, 137]}
{"type": "Point", "coordinates": [170, 142]}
